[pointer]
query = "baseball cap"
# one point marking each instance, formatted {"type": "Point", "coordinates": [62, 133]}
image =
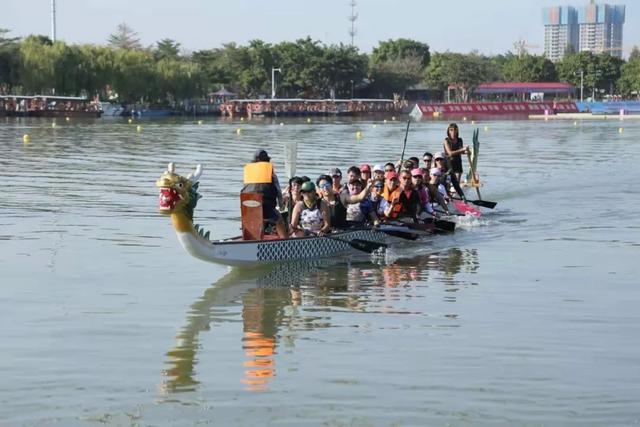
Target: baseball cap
{"type": "Point", "coordinates": [365, 168]}
{"type": "Point", "coordinates": [335, 171]}
{"type": "Point", "coordinates": [438, 156]}
{"type": "Point", "coordinates": [308, 186]}
{"type": "Point", "coordinates": [416, 172]}
{"type": "Point", "coordinates": [378, 168]}
{"type": "Point", "coordinates": [390, 175]}
{"type": "Point", "coordinates": [261, 156]}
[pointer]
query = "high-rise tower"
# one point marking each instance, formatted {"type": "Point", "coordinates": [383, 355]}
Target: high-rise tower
{"type": "Point", "coordinates": [601, 28]}
{"type": "Point", "coordinates": [560, 31]}
{"type": "Point", "coordinates": [595, 28]}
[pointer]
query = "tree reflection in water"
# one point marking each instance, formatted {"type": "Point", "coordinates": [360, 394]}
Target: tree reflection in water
{"type": "Point", "coordinates": [280, 301]}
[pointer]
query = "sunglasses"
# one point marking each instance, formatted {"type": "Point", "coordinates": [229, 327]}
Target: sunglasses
{"type": "Point", "coordinates": [336, 176]}
{"type": "Point", "coordinates": [404, 178]}
{"type": "Point", "coordinates": [427, 159]}
{"type": "Point", "coordinates": [379, 187]}
{"type": "Point", "coordinates": [388, 170]}
{"type": "Point", "coordinates": [417, 176]}
{"type": "Point", "coordinates": [325, 186]}
{"type": "Point", "coordinates": [442, 160]}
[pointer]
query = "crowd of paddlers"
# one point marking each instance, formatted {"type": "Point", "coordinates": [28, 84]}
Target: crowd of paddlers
{"type": "Point", "coordinates": [409, 191]}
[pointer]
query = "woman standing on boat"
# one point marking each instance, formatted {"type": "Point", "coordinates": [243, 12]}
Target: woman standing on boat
{"type": "Point", "coordinates": [454, 148]}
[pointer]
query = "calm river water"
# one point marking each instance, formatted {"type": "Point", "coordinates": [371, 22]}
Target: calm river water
{"type": "Point", "coordinates": [527, 317]}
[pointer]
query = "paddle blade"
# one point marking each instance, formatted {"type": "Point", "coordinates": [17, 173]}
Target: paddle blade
{"type": "Point", "coordinates": [366, 245]}
{"type": "Point", "coordinates": [290, 158]}
{"type": "Point", "coordinates": [484, 203]}
{"type": "Point", "coordinates": [445, 225]}
{"type": "Point", "coordinates": [465, 208]}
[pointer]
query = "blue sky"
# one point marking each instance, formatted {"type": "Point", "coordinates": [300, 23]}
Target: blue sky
{"type": "Point", "coordinates": [490, 26]}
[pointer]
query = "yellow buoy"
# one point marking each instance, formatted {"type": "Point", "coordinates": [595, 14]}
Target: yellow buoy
{"type": "Point", "coordinates": [53, 124]}
{"type": "Point", "coordinates": [66, 118]}
{"type": "Point", "coordinates": [130, 121]}
{"type": "Point", "coordinates": [26, 138]}
{"type": "Point", "coordinates": [138, 128]}
{"type": "Point", "coordinates": [358, 135]}
{"type": "Point", "coordinates": [199, 122]}
{"type": "Point", "coordinates": [620, 130]}
{"type": "Point", "coordinates": [309, 120]}
{"type": "Point", "coordinates": [238, 131]}
{"type": "Point", "coordinates": [242, 119]}
{"type": "Point", "coordinates": [281, 124]}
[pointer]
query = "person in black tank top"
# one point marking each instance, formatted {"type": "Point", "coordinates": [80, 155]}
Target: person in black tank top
{"type": "Point", "coordinates": [454, 148]}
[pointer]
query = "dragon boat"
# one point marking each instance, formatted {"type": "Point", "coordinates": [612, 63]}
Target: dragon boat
{"type": "Point", "coordinates": [178, 197]}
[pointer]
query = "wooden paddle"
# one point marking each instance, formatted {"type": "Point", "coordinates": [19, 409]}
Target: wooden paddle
{"type": "Point", "coordinates": [359, 244]}
{"type": "Point", "coordinates": [473, 164]}
{"type": "Point", "coordinates": [406, 134]}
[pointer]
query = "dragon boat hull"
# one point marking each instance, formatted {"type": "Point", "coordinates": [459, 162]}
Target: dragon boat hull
{"type": "Point", "coordinates": [236, 252]}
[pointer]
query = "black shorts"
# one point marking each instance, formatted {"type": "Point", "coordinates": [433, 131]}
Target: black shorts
{"type": "Point", "coordinates": [455, 163]}
{"type": "Point", "coordinates": [271, 215]}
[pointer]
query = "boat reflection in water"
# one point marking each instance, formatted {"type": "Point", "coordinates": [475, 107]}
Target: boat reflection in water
{"type": "Point", "coordinates": [280, 302]}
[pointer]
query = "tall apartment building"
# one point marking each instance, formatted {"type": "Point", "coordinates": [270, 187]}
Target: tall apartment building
{"type": "Point", "coordinates": [595, 28]}
{"type": "Point", "coordinates": [560, 31]}
{"type": "Point", "coordinates": [601, 28]}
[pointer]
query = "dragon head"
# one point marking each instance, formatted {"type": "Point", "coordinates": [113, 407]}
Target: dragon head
{"type": "Point", "coordinates": [177, 193]}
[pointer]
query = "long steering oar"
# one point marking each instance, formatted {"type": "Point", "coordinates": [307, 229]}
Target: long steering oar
{"type": "Point", "coordinates": [474, 175]}
{"type": "Point", "coordinates": [473, 164]}
{"type": "Point", "coordinates": [359, 244]}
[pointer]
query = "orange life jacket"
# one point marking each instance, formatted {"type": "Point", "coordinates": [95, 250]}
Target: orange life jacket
{"type": "Point", "coordinates": [389, 197]}
{"type": "Point", "coordinates": [258, 173]}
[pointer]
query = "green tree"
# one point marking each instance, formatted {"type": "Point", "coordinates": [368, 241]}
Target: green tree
{"type": "Point", "coordinates": [124, 38]}
{"type": "Point", "coordinates": [9, 60]}
{"type": "Point", "coordinates": [392, 50]}
{"type": "Point", "coordinates": [529, 68]}
{"type": "Point", "coordinates": [395, 76]}
{"type": "Point", "coordinates": [37, 65]}
{"type": "Point", "coordinates": [598, 71]}
{"type": "Point", "coordinates": [344, 67]}
{"type": "Point", "coordinates": [635, 53]}
{"type": "Point", "coordinates": [134, 75]}
{"type": "Point", "coordinates": [302, 67]}
{"type": "Point", "coordinates": [166, 48]}
{"type": "Point", "coordinates": [629, 82]}
{"type": "Point", "coordinates": [464, 71]}
{"type": "Point", "coordinates": [255, 77]}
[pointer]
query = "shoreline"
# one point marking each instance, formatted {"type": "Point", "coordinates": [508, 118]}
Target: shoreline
{"type": "Point", "coordinates": [584, 116]}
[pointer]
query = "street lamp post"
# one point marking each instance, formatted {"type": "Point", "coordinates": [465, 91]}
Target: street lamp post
{"type": "Point", "coordinates": [273, 81]}
{"type": "Point", "coordinates": [581, 84]}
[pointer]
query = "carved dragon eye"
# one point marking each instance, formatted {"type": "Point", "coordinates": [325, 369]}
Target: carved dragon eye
{"type": "Point", "coordinates": [180, 185]}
